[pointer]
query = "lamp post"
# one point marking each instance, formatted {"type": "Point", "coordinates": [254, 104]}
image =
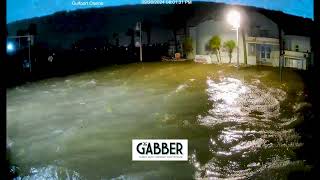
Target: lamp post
{"type": "Point", "coordinates": [30, 63]}
{"type": "Point", "coordinates": [138, 28]}
{"type": "Point", "coordinates": [10, 47]}
{"type": "Point", "coordinates": [233, 18]}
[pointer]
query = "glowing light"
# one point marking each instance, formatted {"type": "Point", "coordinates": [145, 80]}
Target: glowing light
{"type": "Point", "coordinates": [10, 47]}
{"type": "Point", "coordinates": [233, 18]}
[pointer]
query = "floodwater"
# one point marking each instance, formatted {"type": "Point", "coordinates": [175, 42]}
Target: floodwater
{"type": "Point", "coordinates": [239, 123]}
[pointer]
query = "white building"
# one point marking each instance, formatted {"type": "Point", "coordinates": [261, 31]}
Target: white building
{"type": "Point", "coordinates": [297, 51]}
{"type": "Point", "coordinates": [259, 39]}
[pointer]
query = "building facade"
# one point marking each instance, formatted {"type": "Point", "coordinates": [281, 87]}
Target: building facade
{"type": "Point", "coordinates": [258, 40]}
{"type": "Point", "coordinates": [297, 52]}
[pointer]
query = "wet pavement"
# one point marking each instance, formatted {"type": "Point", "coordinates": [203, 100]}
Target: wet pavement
{"type": "Point", "coordinates": [239, 123]}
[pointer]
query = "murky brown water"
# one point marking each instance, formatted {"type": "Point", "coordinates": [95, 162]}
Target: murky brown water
{"type": "Point", "coordinates": [239, 123]}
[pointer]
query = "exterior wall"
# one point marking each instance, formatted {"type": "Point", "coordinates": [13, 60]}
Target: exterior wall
{"type": "Point", "coordinates": [275, 57]}
{"type": "Point", "coordinates": [259, 25]}
{"type": "Point", "coordinates": [258, 42]}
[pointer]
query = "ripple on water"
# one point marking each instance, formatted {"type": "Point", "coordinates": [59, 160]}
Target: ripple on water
{"type": "Point", "coordinates": [232, 100]}
{"type": "Point", "coordinates": [213, 169]}
{"type": "Point", "coordinates": [245, 117]}
{"type": "Point", "coordinates": [90, 83]}
{"type": "Point", "coordinates": [243, 134]}
{"type": "Point", "coordinates": [51, 172]}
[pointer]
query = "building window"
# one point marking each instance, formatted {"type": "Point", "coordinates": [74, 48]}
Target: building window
{"type": "Point", "coordinates": [263, 54]}
{"type": "Point", "coordinates": [265, 51]}
{"type": "Point", "coordinates": [268, 52]}
{"type": "Point", "coordinates": [252, 49]}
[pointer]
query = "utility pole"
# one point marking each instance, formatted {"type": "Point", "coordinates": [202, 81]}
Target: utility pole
{"type": "Point", "coordinates": [138, 28]}
{"type": "Point", "coordinates": [281, 52]}
{"type": "Point", "coordinates": [29, 39]}
{"type": "Point", "coordinates": [140, 42]}
{"type": "Point", "coordinates": [29, 46]}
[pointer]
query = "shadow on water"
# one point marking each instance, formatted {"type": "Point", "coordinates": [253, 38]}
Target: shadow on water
{"type": "Point", "coordinates": [308, 128]}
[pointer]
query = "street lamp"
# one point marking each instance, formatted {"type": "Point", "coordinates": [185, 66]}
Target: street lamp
{"type": "Point", "coordinates": [10, 47]}
{"type": "Point", "coordinates": [233, 18]}
{"type": "Point", "coordinates": [138, 28]}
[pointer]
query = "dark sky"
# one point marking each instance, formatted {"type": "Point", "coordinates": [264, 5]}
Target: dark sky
{"type": "Point", "coordinates": [23, 9]}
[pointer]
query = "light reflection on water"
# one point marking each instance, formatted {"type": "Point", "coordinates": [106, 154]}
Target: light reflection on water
{"type": "Point", "coordinates": [52, 173]}
{"type": "Point", "coordinates": [81, 126]}
{"type": "Point", "coordinates": [234, 101]}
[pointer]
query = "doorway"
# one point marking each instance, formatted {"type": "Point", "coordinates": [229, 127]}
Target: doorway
{"type": "Point", "coordinates": [264, 54]}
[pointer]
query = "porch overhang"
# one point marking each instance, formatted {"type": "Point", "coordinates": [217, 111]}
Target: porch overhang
{"type": "Point", "coordinates": [262, 40]}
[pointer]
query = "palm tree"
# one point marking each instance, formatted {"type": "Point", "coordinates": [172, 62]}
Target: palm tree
{"type": "Point", "coordinates": [215, 45]}
{"type": "Point", "coordinates": [229, 46]}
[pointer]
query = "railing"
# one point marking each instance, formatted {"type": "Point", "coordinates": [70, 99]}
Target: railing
{"type": "Point", "coordinates": [262, 40]}
{"type": "Point", "coordinates": [266, 35]}
{"type": "Point", "coordinates": [295, 59]}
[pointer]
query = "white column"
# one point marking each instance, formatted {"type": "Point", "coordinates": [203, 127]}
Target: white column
{"type": "Point", "coordinates": [238, 47]}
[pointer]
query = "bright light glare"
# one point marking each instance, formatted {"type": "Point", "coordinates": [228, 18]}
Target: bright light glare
{"type": "Point", "coordinates": [10, 47]}
{"type": "Point", "coordinates": [233, 18]}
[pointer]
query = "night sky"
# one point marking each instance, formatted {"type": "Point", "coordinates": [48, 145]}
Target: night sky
{"type": "Point", "coordinates": [23, 9]}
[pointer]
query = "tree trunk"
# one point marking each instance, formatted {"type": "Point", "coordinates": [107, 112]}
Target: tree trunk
{"type": "Point", "coordinates": [217, 54]}
{"type": "Point", "coordinates": [244, 46]}
{"type": "Point", "coordinates": [217, 57]}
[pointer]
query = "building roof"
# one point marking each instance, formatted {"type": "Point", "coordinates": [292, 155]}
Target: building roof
{"type": "Point", "coordinates": [292, 25]}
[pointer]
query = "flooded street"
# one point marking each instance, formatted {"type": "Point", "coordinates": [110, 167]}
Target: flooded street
{"type": "Point", "coordinates": [239, 123]}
